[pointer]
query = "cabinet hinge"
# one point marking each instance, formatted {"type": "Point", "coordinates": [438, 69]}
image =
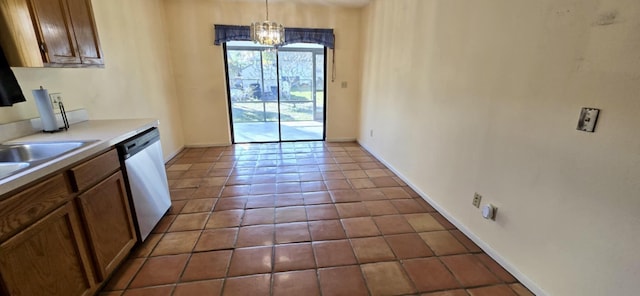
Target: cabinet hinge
{"type": "Point", "coordinates": [42, 47]}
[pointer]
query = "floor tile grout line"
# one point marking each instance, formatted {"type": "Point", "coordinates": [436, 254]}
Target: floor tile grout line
{"type": "Point", "coordinates": [439, 258]}
{"type": "Point", "coordinates": [135, 274]}
{"type": "Point", "coordinates": [489, 269]}
{"type": "Point", "coordinates": [341, 166]}
{"type": "Point", "coordinates": [146, 258]}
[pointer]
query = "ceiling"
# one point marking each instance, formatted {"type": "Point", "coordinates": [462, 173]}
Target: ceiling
{"type": "Point", "coordinates": [347, 3]}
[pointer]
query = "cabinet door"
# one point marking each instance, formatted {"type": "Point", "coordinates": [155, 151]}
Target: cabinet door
{"type": "Point", "coordinates": [85, 31]}
{"type": "Point", "coordinates": [18, 39]}
{"type": "Point", "coordinates": [55, 31]}
{"type": "Point", "coordinates": [48, 258]}
{"type": "Point", "coordinates": [108, 222]}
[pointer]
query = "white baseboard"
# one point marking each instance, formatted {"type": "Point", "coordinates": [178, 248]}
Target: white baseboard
{"type": "Point", "coordinates": [341, 140]}
{"type": "Point", "coordinates": [207, 145]}
{"type": "Point", "coordinates": [531, 285]}
{"type": "Point", "coordinates": [174, 154]}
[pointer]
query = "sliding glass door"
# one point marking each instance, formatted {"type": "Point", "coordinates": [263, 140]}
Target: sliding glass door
{"type": "Point", "coordinates": [301, 94]}
{"type": "Point", "coordinates": [276, 95]}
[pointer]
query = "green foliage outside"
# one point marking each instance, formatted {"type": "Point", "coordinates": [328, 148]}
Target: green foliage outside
{"type": "Point", "coordinates": [253, 78]}
{"type": "Point", "coordinates": [290, 111]}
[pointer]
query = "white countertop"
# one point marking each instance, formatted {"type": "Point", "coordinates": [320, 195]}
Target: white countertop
{"type": "Point", "coordinates": [106, 132]}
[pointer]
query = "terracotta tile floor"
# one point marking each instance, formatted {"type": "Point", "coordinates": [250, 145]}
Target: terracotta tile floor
{"type": "Point", "coordinates": [309, 218]}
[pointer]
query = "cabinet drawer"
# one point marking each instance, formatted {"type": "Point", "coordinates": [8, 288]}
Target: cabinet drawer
{"type": "Point", "coordinates": [21, 210]}
{"type": "Point", "coordinates": [94, 170]}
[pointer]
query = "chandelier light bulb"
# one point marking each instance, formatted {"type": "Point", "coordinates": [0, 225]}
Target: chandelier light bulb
{"type": "Point", "coordinates": [267, 33]}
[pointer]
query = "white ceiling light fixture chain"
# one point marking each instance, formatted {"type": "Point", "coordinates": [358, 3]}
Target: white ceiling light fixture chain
{"type": "Point", "coordinates": [267, 33]}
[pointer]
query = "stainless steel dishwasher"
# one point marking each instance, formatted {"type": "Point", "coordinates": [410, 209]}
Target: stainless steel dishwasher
{"type": "Point", "coordinates": [146, 179]}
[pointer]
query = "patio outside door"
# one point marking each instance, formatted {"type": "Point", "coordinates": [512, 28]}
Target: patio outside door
{"type": "Point", "coordinates": [274, 95]}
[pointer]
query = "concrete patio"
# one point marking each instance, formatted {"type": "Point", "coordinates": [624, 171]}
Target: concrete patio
{"type": "Point", "coordinates": [254, 132]}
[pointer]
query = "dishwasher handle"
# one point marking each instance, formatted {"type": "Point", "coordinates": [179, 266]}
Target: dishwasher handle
{"type": "Point", "coordinates": [134, 145]}
{"type": "Point", "coordinates": [137, 143]}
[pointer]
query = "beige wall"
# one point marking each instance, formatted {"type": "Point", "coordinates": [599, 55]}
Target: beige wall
{"type": "Point", "coordinates": [484, 96]}
{"type": "Point", "coordinates": [137, 81]}
{"type": "Point", "coordinates": [474, 97]}
{"type": "Point", "coordinates": [161, 63]}
{"type": "Point", "coordinates": [199, 65]}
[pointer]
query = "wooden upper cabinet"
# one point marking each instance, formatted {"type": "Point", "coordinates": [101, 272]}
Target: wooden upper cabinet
{"type": "Point", "coordinates": [66, 32]}
{"type": "Point", "coordinates": [55, 31]}
{"type": "Point", "coordinates": [18, 37]}
{"type": "Point", "coordinates": [85, 31]}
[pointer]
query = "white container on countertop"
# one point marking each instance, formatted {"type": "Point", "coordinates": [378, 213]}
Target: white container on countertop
{"type": "Point", "coordinates": [49, 122]}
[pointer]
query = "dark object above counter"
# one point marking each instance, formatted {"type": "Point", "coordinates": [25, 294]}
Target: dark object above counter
{"type": "Point", "coordinates": [10, 91]}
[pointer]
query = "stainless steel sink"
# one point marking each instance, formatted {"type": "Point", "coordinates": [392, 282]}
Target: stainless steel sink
{"type": "Point", "coordinates": [17, 157]}
{"type": "Point", "coordinates": [31, 152]}
{"type": "Point", "coordinates": [8, 168]}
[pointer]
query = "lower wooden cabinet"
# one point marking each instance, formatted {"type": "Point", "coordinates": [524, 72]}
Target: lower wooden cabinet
{"type": "Point", "coordinates": [108, 223]}
{"type": "Point", "coordinates": [65, 235]}
{"type": "Point", "coordinates": [48, 258]}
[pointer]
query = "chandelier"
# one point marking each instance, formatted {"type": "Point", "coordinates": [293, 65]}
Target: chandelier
{"type": "Point", "coordinates": [267, 32]}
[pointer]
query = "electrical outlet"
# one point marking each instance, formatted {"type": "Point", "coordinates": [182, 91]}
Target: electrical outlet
{"type": "Point", "coordinates": [477, 198]}
{"type": "Point", "coordinates": [371, 133]}
{"type": "Point", "coordinates": [588, 119]}
{"type": "Point", "coordinates": [55, 99]}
